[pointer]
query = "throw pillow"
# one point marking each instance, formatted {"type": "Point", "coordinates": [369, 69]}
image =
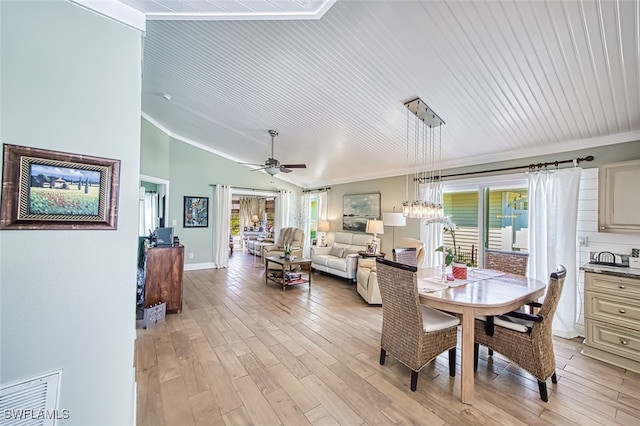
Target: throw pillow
{"type": "Point", "coordinates": [345, 253]}
{"type": "Point", "coordinates": [336, 251]}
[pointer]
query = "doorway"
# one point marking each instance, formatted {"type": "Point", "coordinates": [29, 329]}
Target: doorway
{"type": "Point", "coordinates": [153, 210]}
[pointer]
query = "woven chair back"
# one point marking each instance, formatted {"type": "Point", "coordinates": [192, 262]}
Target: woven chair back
{"type": "Point", "coordinates": [510, 262]}
{"type": "Point", "coordinates": [407, 256]}
{"type": "Point", "coordinates": [554, 290]}
{"type": "Point", "coordinates": [401, 313]}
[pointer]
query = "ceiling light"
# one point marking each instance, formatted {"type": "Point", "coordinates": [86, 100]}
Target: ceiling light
{"type": "Point", "coordinates": [166, 96]}
{"type": "Point", "coordinates": [422, 122]}
{"type": "Point", "coordinates": [272, 170]}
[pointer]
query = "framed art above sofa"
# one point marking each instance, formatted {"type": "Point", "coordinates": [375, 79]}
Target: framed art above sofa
{"type": "Point", "coordinates": [357, 209]}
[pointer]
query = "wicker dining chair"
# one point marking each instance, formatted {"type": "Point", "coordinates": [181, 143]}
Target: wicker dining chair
{"type": "Point", "coordinates": [412, 333]}
{"type": "Point", "coordinates": [406, 256]}
{"type": "Point", "coordinates": [526, 339]}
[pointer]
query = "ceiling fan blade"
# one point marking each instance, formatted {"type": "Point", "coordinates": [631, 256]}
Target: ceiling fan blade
{"type": "Point", "coordinates": [252, 164]}
{"type": "Point", "coordinates": [294, 166]}
{"type": "Point", "coordinates": [283, 169]}
{"type": "Point", "coordinates": [259, 168]}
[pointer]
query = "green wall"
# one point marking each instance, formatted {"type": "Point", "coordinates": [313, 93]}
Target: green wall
{"type": "Point", "coordinates": [71, 82]}
{"type": "Point", "coordinates": [190, 171]}
{"type": "Point", "coordinates": [154, 151]}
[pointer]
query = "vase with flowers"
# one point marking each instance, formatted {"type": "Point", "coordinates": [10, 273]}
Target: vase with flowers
{"type": "Point", "coordinates": [287, 251]}
{"type": "Point", "coordinates": [458, 269]}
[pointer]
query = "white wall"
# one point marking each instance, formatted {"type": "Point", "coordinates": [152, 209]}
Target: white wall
{"type": "Point", "coordinates": [71, 82]}
{"type": "Point", "coordinates": [596, 241]}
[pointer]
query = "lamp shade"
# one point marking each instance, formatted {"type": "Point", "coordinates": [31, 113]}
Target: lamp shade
{"type": "Point", "coordinates": [394, 219]}
{"type": "Point", "coordinates": [375, 227]}
{"type": "Point", "coordinates": [254, 218]}
{"type": "Point", "coordinates": [323, 226]}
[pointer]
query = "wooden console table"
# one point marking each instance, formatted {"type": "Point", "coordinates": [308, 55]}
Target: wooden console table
{"type": "Point", "coordinates": [163, 283]}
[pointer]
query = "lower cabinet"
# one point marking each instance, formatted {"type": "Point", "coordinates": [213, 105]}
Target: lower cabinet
{"type": "Point", "coordinates": [612, 320]}
{"type": "Point", "coordinates": [163, 283]}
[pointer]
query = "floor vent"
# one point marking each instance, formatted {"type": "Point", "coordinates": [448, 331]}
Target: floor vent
{"type": "Point", "coordinates": [32, 402]}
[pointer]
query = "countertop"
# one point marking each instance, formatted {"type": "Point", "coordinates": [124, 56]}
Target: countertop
{"type": "Point", "coordinates": [611, 270]}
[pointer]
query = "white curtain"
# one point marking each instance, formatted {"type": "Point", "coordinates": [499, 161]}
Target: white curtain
{"type": "Point", "coordinates": [282, 210]}
{"type": "Point", "coordinates": [322, 206]}
{"type": "Point", "coordinates": [431, 236]}
{"type": "Point", "coordinates": [306, 224]}
{"type": "Point", "coordinates": [262, 210]}
{"type": "Point", "coordinates": [221, 219]}
{"type": "Point", "coordinates": [148, 219]}
{"type": "Point", "coordinates": [553, 213]}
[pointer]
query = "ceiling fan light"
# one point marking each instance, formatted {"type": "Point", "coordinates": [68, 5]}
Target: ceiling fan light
{"type": "Point", "coordinates": [272, 170]}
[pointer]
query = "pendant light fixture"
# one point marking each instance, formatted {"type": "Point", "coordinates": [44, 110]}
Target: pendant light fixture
{"type": "Point", "coordinates": [426, 128]}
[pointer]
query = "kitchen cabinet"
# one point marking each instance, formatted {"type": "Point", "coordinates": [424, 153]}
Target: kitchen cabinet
{"type": "Point", "coordinates": [618, 203]}
{"type": "Point", "coordinates": [164, 268]}
{"type": "Point", "coordinates": [612, 319]}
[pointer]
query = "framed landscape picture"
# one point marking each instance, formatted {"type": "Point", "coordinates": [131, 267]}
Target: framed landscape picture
{"type": "Point", "coordinates": [359, 208]}
{"type": "Point", "coordinates": [43, 189]}
{"type": "Point", "coordinates": [196, 212]}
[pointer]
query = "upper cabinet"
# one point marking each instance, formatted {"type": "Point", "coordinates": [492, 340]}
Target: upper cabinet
{"type": "Point", "coordinates": [618, 200]}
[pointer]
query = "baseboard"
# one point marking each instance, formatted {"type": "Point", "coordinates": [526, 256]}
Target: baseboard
{"type": "Point", "coordinates": [196, 266]}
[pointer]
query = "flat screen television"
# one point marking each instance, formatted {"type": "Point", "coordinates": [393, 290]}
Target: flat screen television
{"type": "Point", "coordinates": [164, 237]}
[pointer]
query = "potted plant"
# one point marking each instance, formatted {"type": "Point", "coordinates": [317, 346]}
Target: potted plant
{"type": "Point", "coordinates": [287, 251]}
{"type": "Point", "coordinates": [458, 269]}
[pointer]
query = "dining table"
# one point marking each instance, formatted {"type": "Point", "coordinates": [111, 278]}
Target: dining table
{"type": "Point", "coordinates": [484, 292]}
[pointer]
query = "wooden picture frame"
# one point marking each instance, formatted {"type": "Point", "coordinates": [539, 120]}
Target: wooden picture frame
{"type": "Point", "coordinates": [196, 212]}
{"type": "Point", "coordinates": [357, 209]}
{"type": "Point", "coordinates": [44, 189]}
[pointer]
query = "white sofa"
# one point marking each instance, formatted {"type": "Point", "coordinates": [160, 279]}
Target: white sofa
{"type": "Point", "coordinates": [341, 258]}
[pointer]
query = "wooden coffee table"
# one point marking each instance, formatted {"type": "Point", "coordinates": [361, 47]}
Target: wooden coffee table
{"type": "Point", "coordinates": [288, 266]}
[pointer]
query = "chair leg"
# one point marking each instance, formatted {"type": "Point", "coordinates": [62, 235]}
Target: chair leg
{"type": "Point", "coordinates": [452, 362]}
{"type": "Point", "coordinates": [543, 390]}
{"type": "Point", "coordinates": [383, 355]}
{"type": "Point", "coordinates": [476, 349]}
{"type": "Point", "coordinates": [414, 380]}
{"type": "Point", "coordinates": [554, 378]}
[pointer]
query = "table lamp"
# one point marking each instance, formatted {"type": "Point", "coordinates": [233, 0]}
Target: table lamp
{"type": "Point", "coordinates": [254, 219]}
{"type": "Point", "coordinates": [323, 228]}
{"type": "Point", "coordinates": [375, 227]}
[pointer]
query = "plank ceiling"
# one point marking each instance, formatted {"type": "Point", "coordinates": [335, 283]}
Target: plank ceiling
{"type": "Point", "coordinates": [510, 80]}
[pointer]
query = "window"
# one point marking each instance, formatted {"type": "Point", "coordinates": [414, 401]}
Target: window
{"type": "Point", "coordinates": [506, 222]}
{"type": "Point", "coordinates": [313, 216]}
{"type": "Point", "coordinates": [491, 215]}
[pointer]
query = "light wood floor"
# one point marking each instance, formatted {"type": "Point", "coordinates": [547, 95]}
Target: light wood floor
{"type": "Point", "coordinates": [242, 353]}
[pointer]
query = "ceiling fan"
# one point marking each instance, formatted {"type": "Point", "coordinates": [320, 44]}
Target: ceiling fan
{"type": "Point", "coordinates": [273, 166]}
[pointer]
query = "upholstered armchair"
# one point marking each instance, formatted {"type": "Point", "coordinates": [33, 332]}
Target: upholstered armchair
{"type": "Point", "coordinates": [292, 237]}
{"type": "Point", "coordinates": [367, 281]}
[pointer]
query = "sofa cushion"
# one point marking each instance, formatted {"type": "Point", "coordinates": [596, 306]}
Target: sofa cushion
{"type": "Point", "coordinates": [336, 251]}
{"type": "Point", "coordinates": [337, 264]}
{"type": "Point", "coordinates": [322, 259]}
{"type": "Point", "coordinates": [343, 238]}
{"type": "Point", "coordinates": [350, 250]}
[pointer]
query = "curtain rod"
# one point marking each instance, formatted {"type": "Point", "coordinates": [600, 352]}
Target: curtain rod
{"type": "Point", "coordinates": [248, 189]}
{"type": "Point", "coordinates": [531, 167]}
{"type": "Point", "coordinates": [316, 190]}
